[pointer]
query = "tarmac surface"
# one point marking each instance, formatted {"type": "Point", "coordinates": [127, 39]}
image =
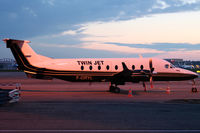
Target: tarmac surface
{"type": "Point", "coordinates": [60, 106]}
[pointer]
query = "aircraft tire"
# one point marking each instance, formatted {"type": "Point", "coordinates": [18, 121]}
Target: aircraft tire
{"type": "Point", "coordinates": [194, 89]}
{"type": "Point", "coordinates": [112, 88]}
{"type": "Point", "coordinates": [117, 90]}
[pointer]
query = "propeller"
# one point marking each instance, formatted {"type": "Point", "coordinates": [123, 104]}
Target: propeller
{"type": "Point", "coordinates": [127, 73]}
{"type": "Point", "coordinates": [151, 72]}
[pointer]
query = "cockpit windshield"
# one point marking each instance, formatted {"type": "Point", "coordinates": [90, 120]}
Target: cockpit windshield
{"type": "Point", "coordinates": [172, 66]}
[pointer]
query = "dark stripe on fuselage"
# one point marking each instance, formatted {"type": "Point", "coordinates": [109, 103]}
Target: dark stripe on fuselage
{"type": "Point", "coordinates": [173, 77]}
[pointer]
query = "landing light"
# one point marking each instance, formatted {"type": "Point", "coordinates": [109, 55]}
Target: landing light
{"type": "Point", "coordinates": [198, 71]}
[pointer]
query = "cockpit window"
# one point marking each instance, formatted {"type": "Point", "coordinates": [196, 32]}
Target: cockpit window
{"type": "Point", "coordinates": [172, 66]}
{"type": "Point", "coordinates": [167, 66]}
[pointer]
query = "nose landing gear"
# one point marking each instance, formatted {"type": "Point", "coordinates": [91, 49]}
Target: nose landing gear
{"type": "Point", "coordinates": [194, 89]}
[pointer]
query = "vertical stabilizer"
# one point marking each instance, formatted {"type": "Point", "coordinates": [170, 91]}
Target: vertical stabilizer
{"type": "Point", "coordinates": [25, 56]}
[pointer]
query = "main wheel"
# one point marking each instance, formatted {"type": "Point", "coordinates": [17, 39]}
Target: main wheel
{"type": "Point", "coordinates": [112, 88]}
{"type": "Point", "coordinates": [194, 89]}
{"type": "Point", "coordinates": [117, 90]}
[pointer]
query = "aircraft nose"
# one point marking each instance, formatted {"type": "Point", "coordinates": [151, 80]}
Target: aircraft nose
{"type": "Point", "coordinates": [189, 74]}
{"type": "Point", "coordinates": [194, 75]}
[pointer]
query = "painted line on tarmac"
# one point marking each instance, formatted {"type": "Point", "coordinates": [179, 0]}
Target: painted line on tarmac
{"type": "Point", "coordinates": [102, 131]}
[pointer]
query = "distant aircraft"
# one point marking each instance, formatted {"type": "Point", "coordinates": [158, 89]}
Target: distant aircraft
{"type": "Point", "coordinates": [117, 71]}
{"type": "Point", "coordinates": [187, 66]}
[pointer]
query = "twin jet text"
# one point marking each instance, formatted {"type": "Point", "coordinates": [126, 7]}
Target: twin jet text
{"type": "Point", "coordinates": [90, 62]}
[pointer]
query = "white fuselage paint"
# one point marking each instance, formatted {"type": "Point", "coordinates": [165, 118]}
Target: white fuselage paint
{"type": "Point", "coordinates": [159, 65]}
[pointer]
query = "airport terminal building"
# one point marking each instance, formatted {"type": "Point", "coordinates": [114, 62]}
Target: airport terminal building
{"type": "Point", "coordinates": [8, 64]}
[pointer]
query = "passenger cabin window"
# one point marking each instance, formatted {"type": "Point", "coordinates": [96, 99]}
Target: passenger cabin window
{"type": "Point", "coordinates": [141, 67]}
{"type": "Point", "coordinates": [133, 67]}
{"type": "Point", "coordinates": [107, 67]}
{"type": "Point", "coordinates": [90, 67]}
{"type": "Point", "coordinates": [82, 67]}
{"type": "Point", "coordinates": [99, 67]}
{"type": "Point", "coordinates": [116, 67]}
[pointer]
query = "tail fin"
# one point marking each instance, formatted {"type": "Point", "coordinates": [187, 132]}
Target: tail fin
{"type": "Point", "coordinates": [25, 56]}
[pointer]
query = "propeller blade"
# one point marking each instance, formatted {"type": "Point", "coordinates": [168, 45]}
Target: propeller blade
{"type": "Point", "coordinates": [151, 66]}
{"type": "Point", "coordinates": [151, 81]}
{"type": "Point", "coordinates": [151, 72]}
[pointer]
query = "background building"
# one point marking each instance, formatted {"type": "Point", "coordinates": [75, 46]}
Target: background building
{"type": "Point", "coordinates": [8, 64]}
{"type": "Point", "coordinates": [191, 65]}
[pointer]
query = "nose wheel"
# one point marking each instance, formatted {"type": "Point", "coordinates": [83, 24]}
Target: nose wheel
{"type": "Point", "coordinates": [114, 89]}
{"type": "Point", "coordinates": [194, 89]}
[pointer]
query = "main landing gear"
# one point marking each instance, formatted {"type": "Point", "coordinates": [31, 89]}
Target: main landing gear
{"type": "Point", "coordinates": [145, 86]}
{"type": "Point", "coordinates": [114, 89]}
{"type": "Point", "coordinates": [194, 89]}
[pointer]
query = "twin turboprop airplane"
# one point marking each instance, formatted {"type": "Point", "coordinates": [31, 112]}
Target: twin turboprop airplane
{"type": "Point", "coordinates": [117, 71]}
